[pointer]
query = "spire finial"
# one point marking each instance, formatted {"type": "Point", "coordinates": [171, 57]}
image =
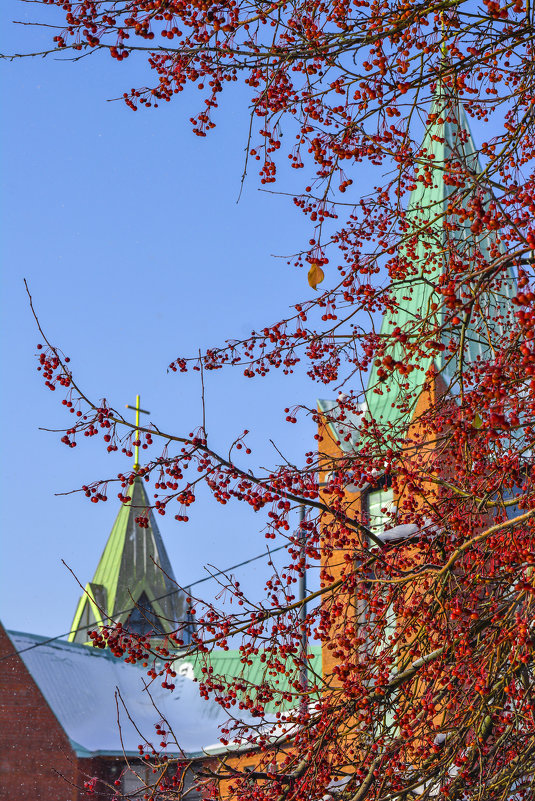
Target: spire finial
{"type": "Point", "coordinates": [137, 411]}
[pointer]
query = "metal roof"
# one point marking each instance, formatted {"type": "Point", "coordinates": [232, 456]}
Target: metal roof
{"type": "Point", "coordinates": [426, 255]}
{"type": "Point", "coordinates": [262, 670]}
{"type": "Point", "coordinates": [448, 141]}
{"type": "Point", "coordinates": [80, 684]}
{"type": "Point", "coordinates": [86, 687]}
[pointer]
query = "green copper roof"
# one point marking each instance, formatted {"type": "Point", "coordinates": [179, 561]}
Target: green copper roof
{"type": "Point", "coordinates": [433, 237]}
{"type": "Point", "coordinates": [229, 666]}
{"type": "Point", "coordinates": [134, 565]}
{"type": "Point", "coordinates": [426, 254]}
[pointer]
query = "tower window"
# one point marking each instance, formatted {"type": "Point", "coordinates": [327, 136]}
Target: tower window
{"type": "Point", "coordinates": [379, 504]}
{"type": "Point", "coordinates": [143, 619]}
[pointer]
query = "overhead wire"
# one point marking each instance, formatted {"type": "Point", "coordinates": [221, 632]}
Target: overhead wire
{"type": "Point", "coordinates": [159, 598]}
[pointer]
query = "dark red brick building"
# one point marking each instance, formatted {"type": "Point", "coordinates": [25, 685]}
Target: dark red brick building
{"type": "Point", "coordinates": [65, 727]}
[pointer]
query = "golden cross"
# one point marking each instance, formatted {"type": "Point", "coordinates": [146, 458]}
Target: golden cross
{"type": "Point", "coordinates": [137, 411]}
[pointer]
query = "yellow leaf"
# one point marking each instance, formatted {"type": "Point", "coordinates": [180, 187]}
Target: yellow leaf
{"type": "Point", "coordinates": [315, 275]}
{"type": "Point", "coordinates": [477, 422]}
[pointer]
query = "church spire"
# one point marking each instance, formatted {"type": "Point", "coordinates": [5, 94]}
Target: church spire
{"type": "Point", "coordinates": [134, 583]}
{"type": "Point", "coordinates": [438, 233]}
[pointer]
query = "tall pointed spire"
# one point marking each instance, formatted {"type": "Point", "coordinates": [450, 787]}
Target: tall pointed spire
{"type": "Point", "coordinates": [134, 583]}
{"type": "Point", "coordinates": [438, 234]}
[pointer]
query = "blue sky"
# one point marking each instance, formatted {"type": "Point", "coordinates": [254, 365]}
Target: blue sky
{"type": "Point", "coordinates": [127, 229]}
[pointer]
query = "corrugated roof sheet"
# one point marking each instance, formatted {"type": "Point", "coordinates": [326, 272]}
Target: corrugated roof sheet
{"type": "Point", "coordinates": [229, 664]}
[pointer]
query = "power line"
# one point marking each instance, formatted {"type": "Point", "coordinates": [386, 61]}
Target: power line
{"type": "Point", "coordinates": [159, 598]}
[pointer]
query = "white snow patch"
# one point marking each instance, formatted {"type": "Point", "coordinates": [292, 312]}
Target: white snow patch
{"type": "Point", "coordinates": [82, 687]}
{"type": "Point", "coordinates": [403, 532]}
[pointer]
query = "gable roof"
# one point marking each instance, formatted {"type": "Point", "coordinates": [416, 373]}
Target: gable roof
{"type": "Point", "coordinates": [86, 687]}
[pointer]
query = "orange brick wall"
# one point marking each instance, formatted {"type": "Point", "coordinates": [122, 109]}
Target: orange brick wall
{"type": "Point", "coordinates": [342, 561]}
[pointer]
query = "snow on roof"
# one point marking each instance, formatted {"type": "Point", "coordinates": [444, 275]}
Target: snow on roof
{"type": "Point", "coordinates": [403, 532]}
{"type": "Point", "coordinates": [79, 684]}
{"type": "Point", "coordinates": [407, 531]}
{"type": "Point", "coordinates": [344, 423]}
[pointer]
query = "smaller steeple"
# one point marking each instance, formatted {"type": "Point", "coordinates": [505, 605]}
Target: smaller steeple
{"type": "Point", "coordinates": [134, 583]}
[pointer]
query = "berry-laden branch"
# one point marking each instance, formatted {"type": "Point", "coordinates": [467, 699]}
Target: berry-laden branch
{"type": "Point", "coordinates": [419, 484]}
{"type": "Point", "coordinates": [215, 468]}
